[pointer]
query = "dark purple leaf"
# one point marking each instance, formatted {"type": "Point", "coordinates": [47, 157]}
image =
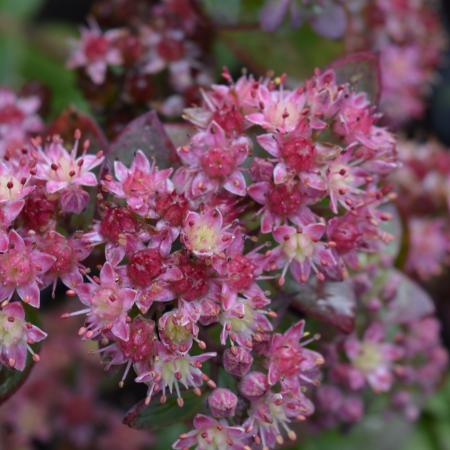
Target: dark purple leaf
{"type": "Point", "coordinates": [330, 302]}
{"type": "Point", "coordinates": [362, 71]}
{"type": "Point", "coordinates": [145, 133]}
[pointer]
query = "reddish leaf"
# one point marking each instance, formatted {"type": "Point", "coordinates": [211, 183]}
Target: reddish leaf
{"type": "Point", "coordinates": [362, 71]}
{"type": "Point", "coordinates": [330, 302]}
{"type": "Point", "coordinates": [145, 133]}
{"type": "Point", "coordinates": [70, 120]}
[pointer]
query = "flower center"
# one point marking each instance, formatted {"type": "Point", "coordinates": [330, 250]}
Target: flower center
{"type": "Point", "coordinates": [144, 266]}
{"type": "Point", "coordinates": [15, 268]}
{"type": "Point", "coordinates": [11, 330]}
{"type": "Point", "coordinates": [284, 201]}
{"type": "Point", "coordinates": [106, 305]}
{"type": "Point", "coordinates": [95, 47]}
{"type": "Point", "coordinates": [218, 163]}
{"type": "Point", "coordinates": [299, 246]}
{"type": "Point", "coordinates": [369, 357]}
{"type": "Point", "coordinates": [299, 154]}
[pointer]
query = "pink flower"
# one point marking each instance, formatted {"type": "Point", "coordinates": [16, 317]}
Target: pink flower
{"type": "Point", "coordinates": [95, 52]}
{"type": "Point", "coordinates": [21, 268]}
{"type": "Point", "coordinates": [244, 320]}
{"type": "Point", "coordinates": [65, 173]}
{"type": "Point", "coordinates": [290, 361]}
{"type": "Point", "coordinates": [204, 234]}
{"type": "Point", "coordinates": [301, 250]}
{"type": "Point", "coordinates": [211, 434]}
{"type": "Point", "coordinates": [372, 359]}
{"type": "Point", "coordinates": [107, 305]}
{"type": "Point", "coordinates": [281, 111]}
{"type": "Point", "coordinates": [211, 162]}
{"type": "Point", "coordinates": [68, 254]}
{"type": "Point", "coordinates": [172, 369]}
{"type": "Point", "coordinates": [16, 336]}
{"type": "Point", "coordinates": [140, 185]}
{"type": "Point", "coordinates": [270, 415]}
{"type": "Point", "coordinates": [429, 246]}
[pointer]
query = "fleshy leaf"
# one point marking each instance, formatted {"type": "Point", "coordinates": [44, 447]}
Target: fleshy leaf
{"type": "Point", "coordinates": [179, 133]}
{"type": "Point", "coordinates": [11, 380]}
{"type": "Point", "coordinates": [145, 133]}
{"type": "Point", "coordinates": [330, 302]}
{"type": "Point", "coordinates": [362, 71]}
{"type": "Point", "coordinates": [70, 120]}
{"type": "Point", "coordinates": [222, 12]}
{"type": "Point", "coordinates": [156, 415]}
{"type": "Point", "coordinates": [411, 301]}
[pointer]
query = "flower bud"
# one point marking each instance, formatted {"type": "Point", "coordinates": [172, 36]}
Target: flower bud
{"type": "Point", "coordinates": [254, 385]}
{"type": "Point", "coordinates": [222, 403]}
{"type": "Point", "coordinates": [237, 361]}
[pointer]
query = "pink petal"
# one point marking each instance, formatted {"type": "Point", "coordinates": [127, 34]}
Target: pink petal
{"type": "Point", "coordinates": [30, 294]}
{"type": "Point", "coordinates": [269, 143]}
{"type": "Point", "coordinates": [236, 184]}
{"type": "Point", "coordinates": [107, 274]}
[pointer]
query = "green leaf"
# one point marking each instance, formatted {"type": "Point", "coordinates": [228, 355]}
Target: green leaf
{"type": "Point", "coordinates": [156, 415]}
{"type": "Point", "coordinates": [11, 380]}
{"type": "Point", "coordinates": [222, 12]}
{"type": "Point", "coordinates": [294, 52]}
{"type": "Point", "coordinates": [20, 8]}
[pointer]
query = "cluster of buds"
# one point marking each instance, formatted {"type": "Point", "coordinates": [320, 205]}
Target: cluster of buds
{"type": "Point", "coordinates": [423, 184]}
{"type": "Point", "coordinates": [395, 351]}
{"type": "Point", "coordinates": [139, 56]}
{"type": "Point", "coordinates": [399, 30]}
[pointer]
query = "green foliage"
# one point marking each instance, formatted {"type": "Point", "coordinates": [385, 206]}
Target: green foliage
{"type": "Point", "coordinates": [157, 416]}
{"type": "Point", "coordinates": [296, 52]}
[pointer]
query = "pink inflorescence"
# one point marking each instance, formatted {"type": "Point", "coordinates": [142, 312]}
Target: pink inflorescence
{"type": "Point", "coordinates": [274, 187]}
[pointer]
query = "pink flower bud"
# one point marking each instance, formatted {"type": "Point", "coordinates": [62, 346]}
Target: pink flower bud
{"type": "Point", "coordinates": [254, 385]}
{"type": "Point", "coordinates": [237, 361]}
{"type": "Point", "coordinates": [222, 403]}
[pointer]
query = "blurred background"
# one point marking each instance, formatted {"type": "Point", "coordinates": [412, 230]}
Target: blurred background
{"type": "Point", "coordinates": [68, 402]}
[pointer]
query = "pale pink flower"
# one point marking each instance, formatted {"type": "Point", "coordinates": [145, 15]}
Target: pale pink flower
{"type": "Point", "coordinates": [65, 173]}
{"type": "Point", "coordinates": [140, 185]}
{"type": "Point", "coordinates": [204, 233]}
{"type": "Point", "coordinates": [211, 434]}
{"type": "Point", "coordinates": [211, 162]}
{"type": "Point", "coordinates": [172, 370]}
{"type": "Point", "coordinates": [107, 305]}
{"type": "Point", "coordinates": [16, 336]}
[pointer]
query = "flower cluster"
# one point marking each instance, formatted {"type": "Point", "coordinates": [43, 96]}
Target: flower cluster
{"type": "Point", "coordinates": [40, 186]}
{"type": "Point", "coordinates": [423, 184]}
{"type": "Point", "coordinates": [409, 54]}
{"type": "Point", "coordinates": [138, 54]}
{"type": "Point", "coordinates": [396, 351]}
{"type": "Point", "coordinates": [273, 180]}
